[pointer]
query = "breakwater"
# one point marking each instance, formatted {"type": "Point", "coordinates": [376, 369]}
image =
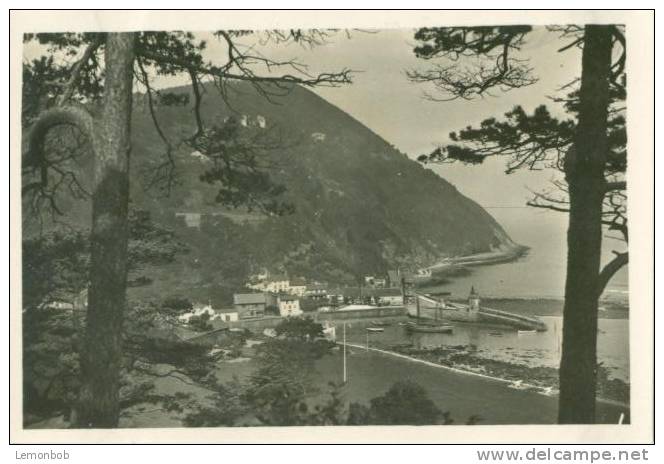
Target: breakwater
{"type": "Point", "coordinates": [431, 308]}
{"type": "Point", "coordinates": [378, 311]}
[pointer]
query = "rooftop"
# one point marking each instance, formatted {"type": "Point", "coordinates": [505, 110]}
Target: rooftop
{"type": "Point", "coordinates": [317, 287]}
{"type": "Point", "coordinates": [225, 310]}
{"type": "Point", "coordinates": [356, 307]}
{"type": "Point", "coordinates": [249, 298]}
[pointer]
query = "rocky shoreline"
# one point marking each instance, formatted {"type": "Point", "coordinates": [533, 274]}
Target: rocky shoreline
{"type": "Point", "coordinates": [541, 379]}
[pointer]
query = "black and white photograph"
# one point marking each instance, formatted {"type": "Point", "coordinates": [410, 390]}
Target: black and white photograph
{"type": "Point", "coordinates": [331, 227]}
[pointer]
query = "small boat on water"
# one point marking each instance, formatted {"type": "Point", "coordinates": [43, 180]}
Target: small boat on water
{"type": "Point", "coordinates": [496, 334]}
{"type": "Point", "coordinates": [427, 328]}
{"type": "Point", "coordinates": [526, 332]}
{"type": "Point", "coordinates": [375, 329]}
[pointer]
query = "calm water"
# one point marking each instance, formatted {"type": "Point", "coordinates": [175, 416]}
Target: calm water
{"type": "Point", "coordinates": [538, 349]}
{"type": "Point", "coordinates": [541, 273]}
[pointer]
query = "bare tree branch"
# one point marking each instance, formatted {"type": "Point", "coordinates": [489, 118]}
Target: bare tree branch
{"type": "Point", "coordinates": [610, 269]}
{"type": "Point", "coordinates": [75, 72]}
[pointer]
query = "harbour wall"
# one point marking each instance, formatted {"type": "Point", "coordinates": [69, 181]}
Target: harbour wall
{"type": "Point", "coordinates": [270, 322]}
{"type": "Point", "coordinates": [379, 311]}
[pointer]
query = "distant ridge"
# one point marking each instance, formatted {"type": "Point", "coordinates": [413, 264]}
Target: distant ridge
{"type": "Point", "coordinates": [361, 206]}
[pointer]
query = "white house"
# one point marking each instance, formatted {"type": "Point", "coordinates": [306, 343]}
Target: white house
{"type": "Point", "coordinates": [288, 306]}
{"type": "Point", "coordinates": [277, 284]}
{"type": "Point", "coordinates": [389, 296]}
{"type": "Point", "coordinates": [297, 287]}
{"type": "Point", "coordinates": [60, 305]}
{"type": "Point", "coordinates": [260, 286]}
{"type": "Point", "coordinates": [227, 315]}
{"type": "Point", "coordinates": [198, 310]}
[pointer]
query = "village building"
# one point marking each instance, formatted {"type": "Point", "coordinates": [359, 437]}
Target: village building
{"type": "Point", "coordinates": [260, 286]}
{"type": "Point", "coordinates": [297, 287]}
{"type": "Point", "coordinates": [277, 284]}
{"type": "Point", "coordinates": [77, 302]}
{"type": "Point", "coordinates": [316, 291]}
{"type": "Point", "coordinates": [198, 310]}
{"type": "Point", "coordinates": [375, 282]}
{"type": "Point", "coordinates": [387, 296]}
{"type": "Point", "coordinates": [289, 305]}
{"type": "Point", "coordinates": [59, 305]}
{"type": "Point", "coordinates": [249, 305]}
{"type": "Point", "coordinates": [227, 315]}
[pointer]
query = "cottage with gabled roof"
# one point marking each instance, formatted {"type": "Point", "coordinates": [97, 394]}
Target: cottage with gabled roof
{"type": "Point", "coordinates": [249, 305]}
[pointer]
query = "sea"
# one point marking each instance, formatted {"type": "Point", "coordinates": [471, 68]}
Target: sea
{"type": "Point", "coordinates": [538, 275]}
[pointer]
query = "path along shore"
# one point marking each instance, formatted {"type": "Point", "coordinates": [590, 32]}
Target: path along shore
{"type": "Point", "coordinates": [503, 255]}
{"type": "Point", "coordinates": [460, 392]}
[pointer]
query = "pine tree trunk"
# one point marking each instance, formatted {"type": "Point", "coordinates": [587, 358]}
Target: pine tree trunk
{"type": "Point", "coordinates": [102, 351]}
{"type": "Point", "coordinates": [584, 172]}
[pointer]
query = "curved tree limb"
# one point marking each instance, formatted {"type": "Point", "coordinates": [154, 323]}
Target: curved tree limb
{"type": "Point", "coordinates": [610, 269]}
{"type": "Point", "coordinates": [197, 101]}
{"type": "Point", "coordinates": [75, 116]}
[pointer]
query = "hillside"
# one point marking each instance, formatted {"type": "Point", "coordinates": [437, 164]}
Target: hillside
{"type": "Point", "coordinates": [361, 206]}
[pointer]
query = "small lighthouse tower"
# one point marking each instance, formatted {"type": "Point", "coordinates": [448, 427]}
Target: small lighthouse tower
{"type": "Point", "coordinates": [473, 300]}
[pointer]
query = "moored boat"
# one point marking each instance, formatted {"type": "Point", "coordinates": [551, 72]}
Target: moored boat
{"type": "Point", "coordinates": [427, 328]}
{"type": "Point", "coordinates": [381, 323]}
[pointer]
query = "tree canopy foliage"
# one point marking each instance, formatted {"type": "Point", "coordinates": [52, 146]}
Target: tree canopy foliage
{"type": "Point", "coordinates": [529, 140]}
